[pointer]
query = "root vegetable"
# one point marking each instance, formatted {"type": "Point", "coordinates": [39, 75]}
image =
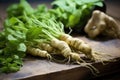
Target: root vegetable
{"type": "Point", "coordinates": [38, 52]}
{"type": "Point", "coordinates": [51, 31]}
{"type": "Point", "coordinates": [83, 47]}
{"type": "Point", "coordinates": [62, 46]}
{"type": "Point", "coordinates": [65, 50]}
{"type": "Point", "coordinates": [76, 57]}
{"type": "Point", "coordinates": [46, 47]}
{"type": "Point", "coordinates": [77, 44]}
{"type": "Point", "coordinates": [101, 23]}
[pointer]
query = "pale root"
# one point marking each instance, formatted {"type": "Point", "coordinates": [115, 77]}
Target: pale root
{"type": "Point", "coordinates": [102, 24]}
{"type": "Point", "coordinates": [38, 52]}
{"type": "Point", "coordinates": [77, 44]}
{"type": "Point", "coordinates": [62, 46]}
{"type": "Point", "coordinates": [65, 50]}
{"type": "Point", "coordinates": [47, 47]}
{"type": "Point", "coordinates": [75, 56]}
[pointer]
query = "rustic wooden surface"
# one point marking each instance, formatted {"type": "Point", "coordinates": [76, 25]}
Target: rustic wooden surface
{"type": "Point", "coordinates": [41, 69]}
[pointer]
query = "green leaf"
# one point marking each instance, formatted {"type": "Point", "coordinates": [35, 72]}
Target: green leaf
{"type": "Point", "coordinates": [10, 38]}
{"type": "Point", "coordinates": [21, 47]}
{"type": "Point", "coordinates": [89, 1]}
{"type": "Point", "coordinates": [9, 60]}
{"type": "Point", "coordinates": [33, 33]}
{"type": "Point", "coordinates": [74, 18]}
{"type": "Point", "coordinates": [66, 5]}
{"type": "Point", "coordinates": [26, 7]}
{"type": "Point", "coordinates": [13, 20]}
{"type": "Point", "coordinates": [16, 56]}
{"type": "Point", "coordinates": [100, 4]}
{"type": "Point", "coordinates": [12, 10]}
{"type": "Point", "coordinates": [41, 8]}
{"type": "Point", "coordinates": [16, 33]}
{"type": "Point", "coordinates": [78, 2]}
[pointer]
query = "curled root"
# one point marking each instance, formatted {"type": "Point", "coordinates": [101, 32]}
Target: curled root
{"type": "Point", "coordinates": [93, 70]}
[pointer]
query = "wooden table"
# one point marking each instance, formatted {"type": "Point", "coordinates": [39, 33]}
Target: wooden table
{"type": "Point", "coordinates": [41, 69]}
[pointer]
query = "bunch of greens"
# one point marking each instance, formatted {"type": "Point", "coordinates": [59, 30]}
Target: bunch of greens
{"type": "Point", "coordinates": [74, 13]}
{"type": "Point", "coordinates": [19, 32]}
{"type": "Point", "coordinates": [12, 46]}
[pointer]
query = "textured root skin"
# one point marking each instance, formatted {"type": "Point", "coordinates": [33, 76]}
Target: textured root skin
{"type": "Point", "coordinates": [65, 49]}
{"type": "Point", "coordinates": [83, 47]}
{"type": "Point", "coordinates": [95, 25]}
{"type": "Point", "coordinates": [46, 47]}
{"type": "Point", "coordinates": [101, 23]}
{"type": "Point", "coordinates": [75, 57]}
{"type": "Point", "coordinates": [112, 28]}
{"type": "Point", "coordinates": [38, 52]}
{"type": "Point", "coordinates": [62, 46]}
{"type": "Point", "coordinates": [77, 44]}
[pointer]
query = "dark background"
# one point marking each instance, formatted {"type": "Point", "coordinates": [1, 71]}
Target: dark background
{"type": "Point", "coordinates": [7, 1]}
{"type": "Point", "coordinates": [112, 5]}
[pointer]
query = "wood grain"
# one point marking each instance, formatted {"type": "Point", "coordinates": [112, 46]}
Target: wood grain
{"type": "Point", "coordinates": [41, 69]}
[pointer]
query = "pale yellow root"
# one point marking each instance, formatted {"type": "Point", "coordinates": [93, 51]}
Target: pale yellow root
{"type": "Point", "coordinates": [77, 44]}
{"type": "Point", "coordinates": [76, 57]}
{"type": "Point", "coordinates": [102, 24]}
{"type": "Point", "coordinates": [47, 47]}
{"type": "Point", "coordinates": [62, 46]}
{"type": "Point", "coordinates": [113, 28]}
{"type": "Point", "coordinates": [67, 53]}
{"type": "Point", "coordinates": [38, 52]}
{"type": "Point", "coordinates": [65, 50]}
{"type": "Point", "coordinates": [84, 47]}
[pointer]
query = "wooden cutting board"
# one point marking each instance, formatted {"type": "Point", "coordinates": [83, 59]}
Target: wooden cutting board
{"type": "Point", "coordinates": [41, 69]}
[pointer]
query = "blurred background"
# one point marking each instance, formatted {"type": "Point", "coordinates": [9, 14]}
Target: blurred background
{"type": "Point", "coordinates": [112, 7]}
{"type": "Point", "coordinates": [7, 1]}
